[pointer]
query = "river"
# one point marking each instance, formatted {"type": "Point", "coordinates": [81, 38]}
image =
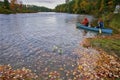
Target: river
{"type": "Point", "coordinates": [35, 40]}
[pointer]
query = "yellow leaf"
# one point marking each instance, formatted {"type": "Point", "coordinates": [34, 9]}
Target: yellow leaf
{"type": "Point", "coordinates": [61, 69]}
{"type": "Point", "coordinates": [80, 67]}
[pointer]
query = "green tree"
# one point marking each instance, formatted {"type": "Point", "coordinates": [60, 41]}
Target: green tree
{"type": "Point", "coordinates": [20, 6]}
{"type": "Point", "coordinates": [85, 6]}
{"type": "Point", "coordinates": [102, 5]}
{"type": "Point", "coordinates": [77, 7]}
{"type": "Point", "coordinates": [6, 4]}
{"type": "Point", "coordinates": [95, 7]}
{"type": "Point", "coordinates": [117, 2]}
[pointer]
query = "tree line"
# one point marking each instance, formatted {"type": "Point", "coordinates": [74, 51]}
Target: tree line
{"type": "Point", "coordinates": [14, 7]}
{"type": "Point", "coordinates": [88, 6]}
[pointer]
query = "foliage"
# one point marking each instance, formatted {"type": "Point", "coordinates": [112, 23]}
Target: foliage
{"type": "Point", "coordinates": [114, 23]}
{"type": "Point", "coordinates": [7, 73]}
{"type": "Point", "coordinates": [38, 9]}
{"type": "Point", "coordinates": [109, 44]}
{"type": "Point", "coordinates": [15, 7]}
{"type": "Point", "coordinates": [6, 4]}
{"type": "Point", "coordinates": [90, 66]}
{"type": "Point", "coordinates": [87, 6]}
{"type": "Point", "coordinates": [112, 46]}
{"type": "Point", "coordinates": [99, 66]}
{"type": "Point", "coordinates": [5, 11]}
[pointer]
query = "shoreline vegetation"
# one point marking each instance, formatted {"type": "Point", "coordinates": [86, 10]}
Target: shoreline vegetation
{"type": "Point", "coordinates": [100, 9]}
{"type": "Point", "coordinates": [14, 7]}
{"type": "Point", "coordinates": [103, 66]}
{"type": "Point", "coordinates": [110, 44]}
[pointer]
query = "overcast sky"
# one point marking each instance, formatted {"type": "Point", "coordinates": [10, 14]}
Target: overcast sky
{"type": "Point", "coordinates": [46, 3]}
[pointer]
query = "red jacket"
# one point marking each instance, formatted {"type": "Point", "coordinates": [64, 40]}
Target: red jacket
{"type": "Point", "coordinates": [85, 22]}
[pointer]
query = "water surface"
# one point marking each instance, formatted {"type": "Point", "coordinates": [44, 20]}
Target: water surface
{"type": "Point", "coordinates": [27, 40]}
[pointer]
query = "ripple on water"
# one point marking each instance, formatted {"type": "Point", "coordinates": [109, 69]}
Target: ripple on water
{"type": "Point", "coordinates": [27, 40]}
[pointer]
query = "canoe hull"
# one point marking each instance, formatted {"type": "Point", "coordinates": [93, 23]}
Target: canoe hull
{"type": "Point", "coordinates": [104, 30]}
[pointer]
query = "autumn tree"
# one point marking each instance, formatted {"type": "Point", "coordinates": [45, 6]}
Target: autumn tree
{"type": "Point", "coordinates": [13, 5]}
{"type": "Point", "coordinates": [102, 5]}
{"type": "Point", "coordinates": [6, 4]}
{"type": "Point", "coordinates": [85, 6]}
{"type": "Point", "coordinates": [88, 6]}
{"type": "Point", "coordinates": [117, 2]}
{"type": "Point", "coordinates": [20, 6]}
{"type": "Point", "coordinates": [76, 6]}
{"type": "Point", "coordinates": [107, 6]}
{"type": "Point", "coordinates": [110, 5]}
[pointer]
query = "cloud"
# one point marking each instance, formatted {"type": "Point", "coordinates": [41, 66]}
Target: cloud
{"type": "Point", "coordinates": [43, 1]}
{"type": "Point", "coordinates": [40, 1]}
{"type": "Point", "coordinates": [46, 3]}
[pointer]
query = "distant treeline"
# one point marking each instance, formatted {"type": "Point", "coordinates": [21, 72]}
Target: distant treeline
{"type": "Point", "coordinates": [39, 9]}
{"type": "Point", "coordinates": [88, 6]}
{"type": "Point", "coordinates": [17, 7]}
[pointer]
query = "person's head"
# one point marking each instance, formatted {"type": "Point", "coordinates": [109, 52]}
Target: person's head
{"type": "Point", "coordinates": [85, 19]}
{"type": "Point", "coordinates": [100, 20]}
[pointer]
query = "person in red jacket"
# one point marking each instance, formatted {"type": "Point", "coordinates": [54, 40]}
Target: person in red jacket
{"type": "Point", "coordinates": [85, 22]}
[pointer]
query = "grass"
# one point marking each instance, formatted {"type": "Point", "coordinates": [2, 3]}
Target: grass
{"type": "Point", "coordinates": [109, 44]}
{"type": "Point", "coordinates": [5, 11]}
{"type": "Point", "coordinates": [115, 24]}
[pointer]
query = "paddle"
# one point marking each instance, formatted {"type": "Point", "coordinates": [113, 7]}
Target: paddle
{"type": "Point", "coordinates": [100, 30]}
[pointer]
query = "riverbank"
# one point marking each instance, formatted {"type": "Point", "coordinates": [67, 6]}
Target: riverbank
{"type": "Point", "coordinates": [109, 48]}
{"type": "Point", "coordinates": [110, 44]}
{"type": "Point", "coordinates": [7, 11]}
{"type": "Point", "coordinates": [8, 73]}
{"type": "Point", "coordinates": [21, 8]}
{"type": "Point", "coordinates": [30, 45]}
